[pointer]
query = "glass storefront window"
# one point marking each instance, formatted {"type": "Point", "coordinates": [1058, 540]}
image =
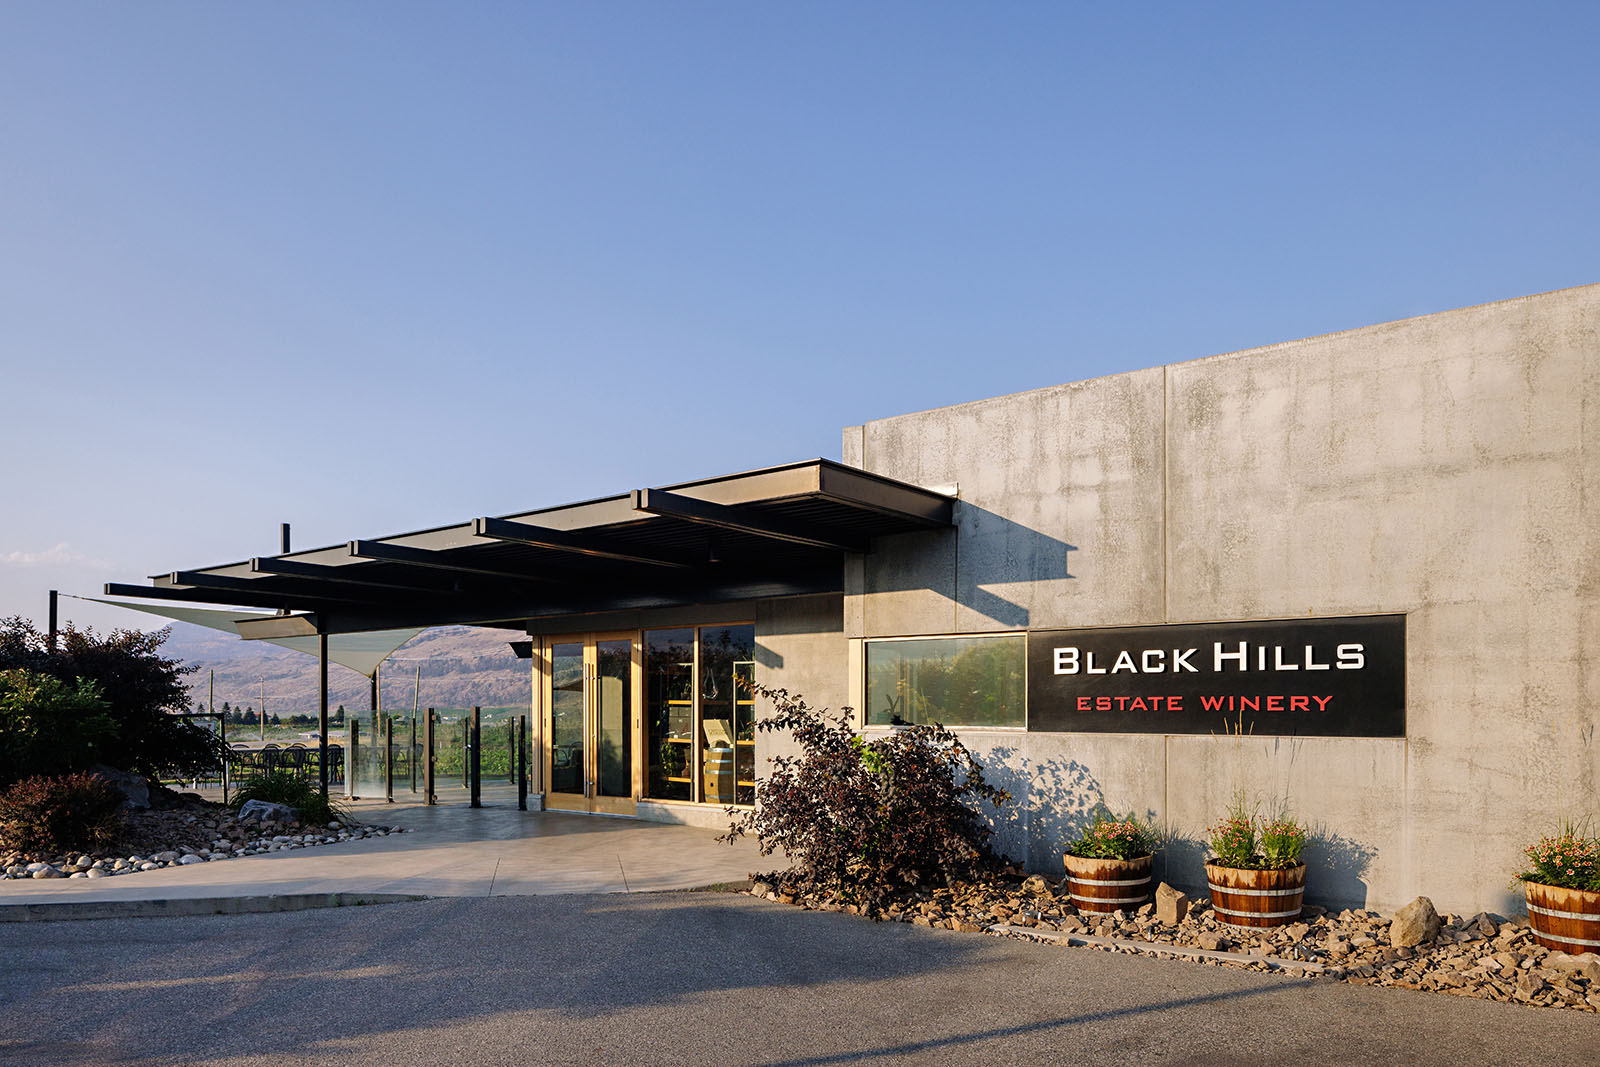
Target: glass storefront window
{"type": "Point", "coordinates": [957, 681]}
{"type": "Point", "coordinates": [669, 713]}
{"type": "Point", "coordinates": [697, 690]}
{"type": "Point", "coordinates": [727, 656]}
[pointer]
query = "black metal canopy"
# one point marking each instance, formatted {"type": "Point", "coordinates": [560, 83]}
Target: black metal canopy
{"type": "Point", "coordinates": [782, 531]}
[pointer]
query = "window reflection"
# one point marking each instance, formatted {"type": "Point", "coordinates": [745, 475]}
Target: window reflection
{"type": "Point", "coordinates": [957, 681]}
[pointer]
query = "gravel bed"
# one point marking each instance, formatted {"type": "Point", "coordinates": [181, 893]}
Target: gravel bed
{"type": "Point", "coordinates": [1484, 955]}
{"type": "Point", "coordinates": [196, 831]}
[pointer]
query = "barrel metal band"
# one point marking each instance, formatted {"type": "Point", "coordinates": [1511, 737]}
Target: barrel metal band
{"type": "Point", "coordinates": [1589, 916]}
{"type": "Point", "coordinates": [1256, 914]}
{"type": "Point", "coordinates": [1107, 881]}
{"type": "Point", "coordinates": [1569, 940]}
{"type": "Point", "coordinates": [1256, 892]}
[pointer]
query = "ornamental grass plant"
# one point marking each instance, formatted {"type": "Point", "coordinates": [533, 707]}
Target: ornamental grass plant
{"type": "Point", "coordinates": [1243, 839]}
{"type": "Point", "coordinates": [1110, 838]}
{"type": "Point", "coordinates": [281, 787]}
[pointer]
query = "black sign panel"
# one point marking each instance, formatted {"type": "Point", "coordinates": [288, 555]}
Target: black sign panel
{"type": "Point", "coordinates": [1312, 677]}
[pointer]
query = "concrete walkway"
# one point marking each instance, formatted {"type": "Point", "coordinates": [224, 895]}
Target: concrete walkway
{"type": "Point", "coordinates": [451, 850]}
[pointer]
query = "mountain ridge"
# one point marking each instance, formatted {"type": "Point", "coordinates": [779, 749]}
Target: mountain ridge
{"type": "Point", "coordinates": [459, 666]}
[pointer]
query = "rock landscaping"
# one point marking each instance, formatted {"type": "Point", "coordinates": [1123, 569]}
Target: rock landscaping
{"type": "Point", "coordinates": [191, 831]}
{"type": "Point", "coordinates": [1483, 955]}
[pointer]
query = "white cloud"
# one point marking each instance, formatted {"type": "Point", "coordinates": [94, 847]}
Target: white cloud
{"type": "Point", "coordinates": [61, 555]}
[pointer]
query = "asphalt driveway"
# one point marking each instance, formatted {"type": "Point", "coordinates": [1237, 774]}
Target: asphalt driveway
{"type": "Point", "coordinates": [668, 978]}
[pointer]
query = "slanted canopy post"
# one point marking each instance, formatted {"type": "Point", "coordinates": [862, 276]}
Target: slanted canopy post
{"type": "Point", "coordinates": [322, 711]}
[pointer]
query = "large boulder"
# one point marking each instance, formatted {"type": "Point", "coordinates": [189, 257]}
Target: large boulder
{"type": "Point", "coordinates": [1415, 923]}
{"type": "Point", "coordinates": [265, 810]}
{"type": "Point", "coordinates": [135, 788]}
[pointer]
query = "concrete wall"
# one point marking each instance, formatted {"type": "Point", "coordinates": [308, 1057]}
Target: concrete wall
{"type": "Point", "coordinates": [1447, 467]}
{"type": "Point", "coordinates": [801, 647]}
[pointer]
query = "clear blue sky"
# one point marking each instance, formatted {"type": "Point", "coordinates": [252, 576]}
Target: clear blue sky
{"type": "Point", "coordinates": [368, 267]}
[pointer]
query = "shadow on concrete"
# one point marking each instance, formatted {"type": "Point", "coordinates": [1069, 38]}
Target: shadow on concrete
{"type": "Point", "coordinates": [995, 551]}
{"type": "Point", "coordinates": [1335, 867]}
{"type": "Point", "coordinates": [257, 983]}
{"type": "Point", "coordinates": [1002, 1032]}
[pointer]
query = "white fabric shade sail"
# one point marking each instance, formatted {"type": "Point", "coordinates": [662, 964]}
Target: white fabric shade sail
{"type": "Point", "coordinates": [361, 652]}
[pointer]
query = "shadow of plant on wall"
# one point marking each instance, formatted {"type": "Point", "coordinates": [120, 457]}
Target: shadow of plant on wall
{"type": "Point", "coordinates": [1056, 801]}
{"type": "Point", "coordinates": [1335, 868]}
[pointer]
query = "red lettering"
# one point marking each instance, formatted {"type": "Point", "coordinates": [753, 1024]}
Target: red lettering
{"type": "Point", "coordinates": [1211, 703]}
{"type": "Point", "coordinates": [1083, 704]}
{"type": "Point", "coordinates": [1299, 703]}
{"type": "Point", "coordinates": [1139, 705]}
{"type": "Point", "coordinates": [1174, 703]}
{"type": "Point", "coordinates": [1275, 703]}
{"type": "Point", "coordinates": [1249, 703]}
{"type": "Point", "coordinates": [1102, 703]}
{"type": "Point", "coordinates": [1323, 702]}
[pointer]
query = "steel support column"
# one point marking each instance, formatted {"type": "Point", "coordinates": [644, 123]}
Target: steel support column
{"type": "Point", "coordinates": [322, 711]}
{"type": "Point", "coordinates": [477, 762]}
{"type": "Point", "coordinates": [427, 760]}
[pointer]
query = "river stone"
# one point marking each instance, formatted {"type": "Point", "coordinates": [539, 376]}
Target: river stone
{"type": "Point", "coordinates": [266, 811]}
{"type": "Point", "coordinates": [1172, 905]}
{"type": "Point", "coordinates": [1415, 923]}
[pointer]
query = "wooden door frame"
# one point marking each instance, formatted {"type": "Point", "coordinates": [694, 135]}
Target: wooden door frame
{"type": "Point", "coordinates": [590, 800]}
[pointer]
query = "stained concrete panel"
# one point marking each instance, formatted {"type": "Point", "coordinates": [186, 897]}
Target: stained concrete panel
{"type": "Point", "coordinates": [801, 647]}
{"type": "Point", "coordinates": [1445, 467]}
{"type": "Point", "coordinates": [1059, 517]}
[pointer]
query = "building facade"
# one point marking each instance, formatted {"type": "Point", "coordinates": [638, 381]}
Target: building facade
{"type": "Point", "coordinates": [1445, 469]}
{"type": "Point", "coordinates": [1358, 574]}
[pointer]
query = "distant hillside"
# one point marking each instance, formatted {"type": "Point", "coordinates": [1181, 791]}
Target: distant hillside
{"type": "Point", "coordinates": [461, 666]}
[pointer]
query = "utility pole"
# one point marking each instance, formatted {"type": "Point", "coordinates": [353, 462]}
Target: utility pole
{"type": "Point", "coordinates": [54, 629]}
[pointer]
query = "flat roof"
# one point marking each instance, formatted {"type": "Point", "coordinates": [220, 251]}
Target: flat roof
{"type": "Point", "coordinates": [779, 531]}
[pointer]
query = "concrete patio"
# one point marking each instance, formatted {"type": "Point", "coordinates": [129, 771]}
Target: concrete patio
{"type": "Point", "coordinates": [450, 850]}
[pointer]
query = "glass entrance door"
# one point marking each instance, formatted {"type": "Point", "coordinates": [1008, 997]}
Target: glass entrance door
{"type": "Point", "coordinates": [590, 696]}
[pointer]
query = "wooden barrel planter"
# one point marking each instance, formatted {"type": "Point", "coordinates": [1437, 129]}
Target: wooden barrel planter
{"type": "Point", "coordinates": [1107, 885]}
{"type": "Point", "coordinates": [1250, 899]}
{"type": "Point", "coordinates": [1566, 920]}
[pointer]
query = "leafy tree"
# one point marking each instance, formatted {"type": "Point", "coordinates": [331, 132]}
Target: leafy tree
{"type": "Point", "coordinates": [48, 727]}
{"type": "Point", "coordinates": [142, 690]}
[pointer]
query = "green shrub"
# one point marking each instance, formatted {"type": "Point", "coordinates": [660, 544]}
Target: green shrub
{"type": "Point", "coordinates": [73, 812]}
{"type": "Point", "coordinates": [49, 727]}
{"type": "Point", "coordinates": [281, 787]}
{"type": "Point", "coordinates": [141, 690]}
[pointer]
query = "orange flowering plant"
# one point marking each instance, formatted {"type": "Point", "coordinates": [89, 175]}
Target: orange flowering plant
{"type": "Point", "coordinates": [1110, 838]}
{"type": "Point", "coordinates": [1569, 859]}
